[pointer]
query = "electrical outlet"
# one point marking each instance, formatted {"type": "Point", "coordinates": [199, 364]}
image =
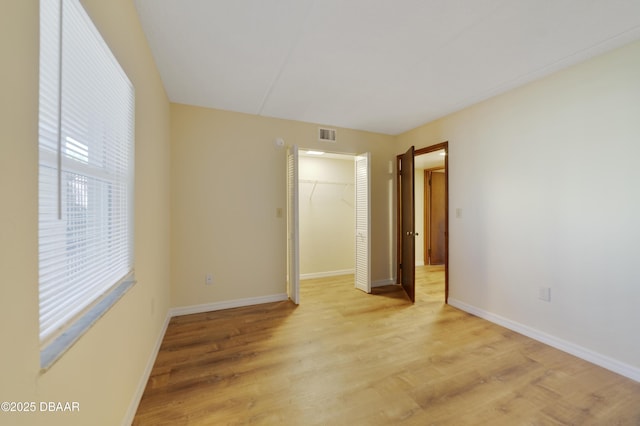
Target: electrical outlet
{"type": "Point", "coordinates": [208, 279]}
{"type": "Point", "coordinates": [544, 293]}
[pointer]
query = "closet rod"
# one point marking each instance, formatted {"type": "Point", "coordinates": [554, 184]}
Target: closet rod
{"type": "Point", "coordinates": [328, 182]}
{"type": "Point", "coordinates": [316, 182]}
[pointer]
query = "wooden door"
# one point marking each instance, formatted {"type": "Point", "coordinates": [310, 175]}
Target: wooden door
{"type": "Point", "coordinates": [407, 228]}
{"type": "Point", "coordinates": [436, 217]}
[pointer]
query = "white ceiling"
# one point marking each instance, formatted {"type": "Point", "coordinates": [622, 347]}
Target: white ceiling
{"type": "Point", "coordinates": [383, 66]}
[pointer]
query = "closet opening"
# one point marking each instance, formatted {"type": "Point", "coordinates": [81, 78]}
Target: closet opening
{"type": "Point", "coordinates": [328, 218]}
{"type": "Point", "coordinates": [326, 200]}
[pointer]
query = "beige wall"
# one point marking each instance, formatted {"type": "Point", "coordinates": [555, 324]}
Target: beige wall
{"type": "Point", "coordinates": [101, 371]}
{"type": "Point", "coordinates": [548, 182]}
{"type": "Point", "coordinates": [327, 216]}
{"type": "Point", "coordinates": [228, 180]}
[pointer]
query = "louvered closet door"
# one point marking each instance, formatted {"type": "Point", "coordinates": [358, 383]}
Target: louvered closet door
{"type": "Point", "coordinates": [293, 227]}
{"type": "Point", "coordinates": [363, 223]}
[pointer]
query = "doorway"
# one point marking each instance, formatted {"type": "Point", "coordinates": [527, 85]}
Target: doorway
{"type": "Point", "coordinates": [431, 208]}
{"type": "Point", "coordinates": [329, 208]}
{"type": "Point", "coordinates": [428, 235]}
{"type": "Point", "coordinates": [327, 212]}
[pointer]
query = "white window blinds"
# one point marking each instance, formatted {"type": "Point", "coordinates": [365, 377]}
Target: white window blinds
{"type": "Point", "coordinates": [86, 146]}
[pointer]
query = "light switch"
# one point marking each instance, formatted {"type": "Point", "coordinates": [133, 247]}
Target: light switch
{"type": "Point", "coordinates": [544, 294]}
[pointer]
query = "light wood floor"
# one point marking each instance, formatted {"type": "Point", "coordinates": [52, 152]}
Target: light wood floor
{"type": "Point", "coordinates": [346, 358]}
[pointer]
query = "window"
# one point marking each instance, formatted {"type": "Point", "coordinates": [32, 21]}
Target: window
{"type": "Point", "coordinates": [86, 150]}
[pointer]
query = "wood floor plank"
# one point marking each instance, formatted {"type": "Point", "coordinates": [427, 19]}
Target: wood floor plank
{"type": "Point", "coordinates": [345, 357]}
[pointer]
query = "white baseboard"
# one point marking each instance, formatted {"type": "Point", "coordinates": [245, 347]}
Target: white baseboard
{"type": "Point", "coordinates": [380, 283]}
{"type": "Point", "coordinates": [312, 275]}
{"type": "Point", "coordinates": [142, 384]}
{"type": "Point", "coordinates": [561, 344]}
{"type": "Point", "coordinates": [228, 304]}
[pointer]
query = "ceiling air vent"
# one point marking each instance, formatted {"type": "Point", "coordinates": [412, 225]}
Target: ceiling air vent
{"type": "Point", "coordinates": [326, 135]}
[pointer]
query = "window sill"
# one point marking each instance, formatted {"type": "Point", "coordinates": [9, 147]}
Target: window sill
{"type": "Point", "coordinates": [56, 348]}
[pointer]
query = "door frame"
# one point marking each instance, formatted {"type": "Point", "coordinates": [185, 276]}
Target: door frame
{"type": "Point", "coordinates": [444, 146]}
{"type": "Point", "coordinates": [295, 259]}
